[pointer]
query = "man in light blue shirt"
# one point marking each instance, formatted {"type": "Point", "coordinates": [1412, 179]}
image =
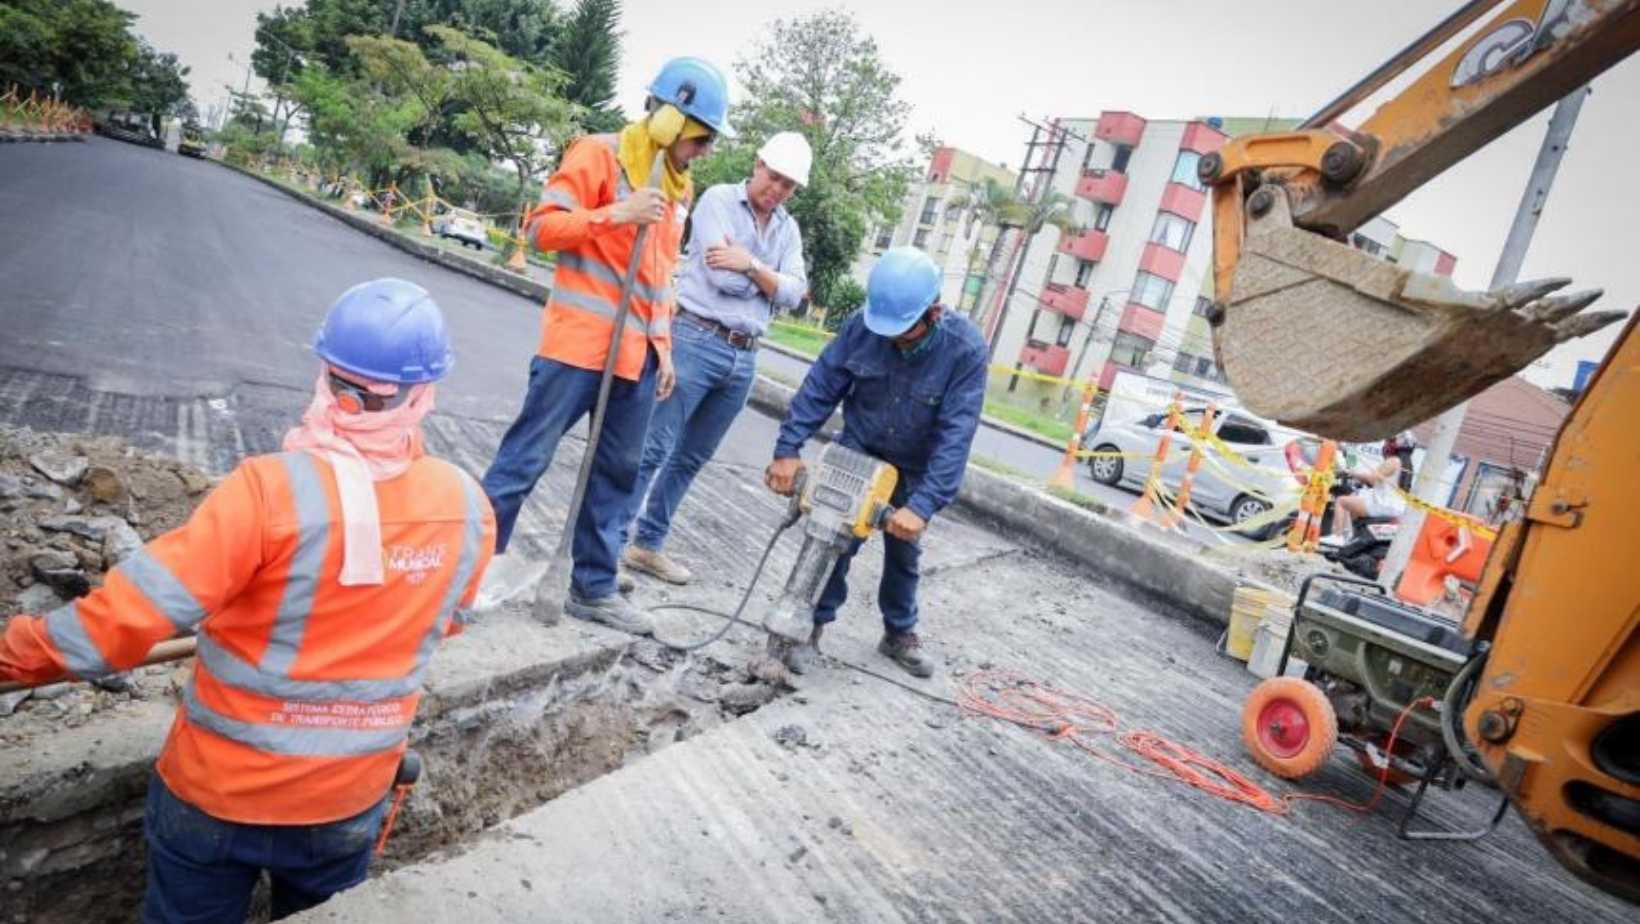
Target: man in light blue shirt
{"type": "Point", "coordinates": [745, 258]}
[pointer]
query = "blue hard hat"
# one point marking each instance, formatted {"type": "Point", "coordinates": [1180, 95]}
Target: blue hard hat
{"type": "Point", "coordinates": [902, 286]}
{"type": "Point", "coordinates": [698, 89]}
{"type": "Point", "coordinates": [386, 330]}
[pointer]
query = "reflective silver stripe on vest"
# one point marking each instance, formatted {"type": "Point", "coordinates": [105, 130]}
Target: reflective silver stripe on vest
{"type": "Point", "coordinates": [605, 273]}
{"type": "Point", "coordinates": [302, 581]}
{"type": "Point", "coordinates": [598, 306]}
{"type": "Point", "coordinates": [298, 740]}
{"type": "Point", "coordinates": [236, 672]}
{"type": "Point", "coordinates": [472, 534]}
{"type": "Point", "coordinates": [82, 656]}
{"type": "Point", "coordinates": [167, 594]}
{"type": "Point", "coordinates": [561, 198]}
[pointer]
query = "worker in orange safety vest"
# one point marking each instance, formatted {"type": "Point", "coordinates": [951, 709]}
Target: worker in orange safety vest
{"type": "Point", "coordinates": [590, 213]}
{"type": "Point", "coordinates": [319, 582]}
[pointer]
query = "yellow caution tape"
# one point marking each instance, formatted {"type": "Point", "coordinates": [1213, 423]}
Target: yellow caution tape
{"type": "Point", "coordinates": [1485, 532]}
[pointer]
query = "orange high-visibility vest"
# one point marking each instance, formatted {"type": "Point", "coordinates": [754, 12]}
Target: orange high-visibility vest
{"type": "Point", "coordinates": [303, 689]}
{"type": "Point", "coordinates": [593, 253]}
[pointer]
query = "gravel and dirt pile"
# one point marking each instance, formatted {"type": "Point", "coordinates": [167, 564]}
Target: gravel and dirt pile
{"type": "Point", "coordinates": [71, 507]}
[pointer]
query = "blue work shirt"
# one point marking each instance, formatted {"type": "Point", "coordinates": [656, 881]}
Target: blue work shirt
{"type": "Point", "coordinates": [730, 298]}
{"type": "Point", "coordinates": [918, 415]}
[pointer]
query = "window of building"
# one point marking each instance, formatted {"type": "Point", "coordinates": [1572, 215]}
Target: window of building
{"type": "Point", "coordinates": [1130, 349]}
{"type": "Point", "coordinates": [931, 210]}
{"type": "Point", "coordinates": [1067, 326]}
{"type": "Point", "coordinates": [921, 240]}
{"type": "Point", "coordinates": [1172, 232]}
{"type": "Point", "coordinates": [1101, 215]}
{"type": "Point", "coordinates": [1202, 306]}
{"type": "Point", "coordinates": [885, 237]}
{"type": "Point", "coordinates": [1183, 363]}
{"type": "Point", "coordinates": [1362, 242]}
{"type": "Point", "coordinates": [1184, 170]}
{"type": "Point", "coordinates": [1124, 153]}
{"type": "Point", "coordinates": [1087, 157]}
{"type": "Point", "coordinates": [1152, 291]}
{"type": "Point", "coordinates": [1084, 272]}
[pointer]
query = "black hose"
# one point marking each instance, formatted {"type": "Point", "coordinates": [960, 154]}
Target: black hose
{"type": "Point", "coordinates": [1452, 705]}
{"type": "Point", "coordinates": [729, 619]}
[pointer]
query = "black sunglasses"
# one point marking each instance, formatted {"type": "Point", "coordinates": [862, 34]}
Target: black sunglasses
{"type": "Point", "coordinates": [355, 398]}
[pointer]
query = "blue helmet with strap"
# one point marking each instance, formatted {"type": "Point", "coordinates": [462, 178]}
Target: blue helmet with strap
{"type": "Point", "coordinates": [698, 89]}
{"type": "Point", "coordinates": [386, 330]}
{"type": "Point", "coordinates": [903, 284]}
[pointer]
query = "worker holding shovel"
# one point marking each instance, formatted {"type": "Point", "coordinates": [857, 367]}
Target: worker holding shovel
{"type": "Point", "coordinates": [319, 582]}
{"type": "Point", "coordinates": [614, 212]}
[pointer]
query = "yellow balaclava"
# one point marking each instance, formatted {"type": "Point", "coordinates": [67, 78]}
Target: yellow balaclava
{"type": "Point", "coordinates": [643, 139]}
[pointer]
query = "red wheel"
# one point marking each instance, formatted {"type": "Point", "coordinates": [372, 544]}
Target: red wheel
{"type": "Point", "coordinates": [1289, 727]}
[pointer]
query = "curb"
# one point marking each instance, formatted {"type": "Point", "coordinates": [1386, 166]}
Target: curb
{"type": "Point", "coordinates": [432, 253]}
{"type": "Point", "coordinates": [1156, 570]}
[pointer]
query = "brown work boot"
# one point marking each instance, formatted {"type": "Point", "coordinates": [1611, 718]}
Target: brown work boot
{"type": "Point", "coordinates": [905, 649]}
{"type": "Point", "coordinates": [802, 656]}
{"type": "Point", "coordinates": [657, 563]}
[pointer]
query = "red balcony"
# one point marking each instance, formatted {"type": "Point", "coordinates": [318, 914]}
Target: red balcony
{"type": "Point", "coordinates": [1048, 360]}
{"type": "Point", "coordinates": [1161, 261]}
{"type": "Point", "coordinates": [1183, 201]}
{"type": "Point", "coordinates": [1066, 299]}
{"type": "Point", "coordinates": [1107, 375]}
{"type": "Point", "coordinates": [1106, 186]}
{"type": "Point", "coordinates": [1137, 319]}
{"type": "Point", "coordinates": [1120, 128]}
{"type": "Point", "coordinates": [1089, 245]}
{"type": "Point", "coordinates": [1202, 138]}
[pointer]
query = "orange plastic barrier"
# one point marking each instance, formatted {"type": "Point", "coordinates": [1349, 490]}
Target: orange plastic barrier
{"type": "Point", "coordinates": [1443, 548]}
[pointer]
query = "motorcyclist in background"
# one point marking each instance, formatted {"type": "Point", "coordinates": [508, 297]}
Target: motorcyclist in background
{"type": "Point", "coordinates": [1378, 496]}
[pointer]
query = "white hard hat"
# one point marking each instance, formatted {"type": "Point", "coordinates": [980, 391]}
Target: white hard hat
{"type": "Point", "coordinates": [787, 153]}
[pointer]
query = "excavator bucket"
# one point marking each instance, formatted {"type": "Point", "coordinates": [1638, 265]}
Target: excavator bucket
{"type": "Point", "coordinates": [1325, 338]}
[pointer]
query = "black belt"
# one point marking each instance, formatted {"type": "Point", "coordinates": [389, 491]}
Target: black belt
{"type": "Point", "coordinates": [738, 339]}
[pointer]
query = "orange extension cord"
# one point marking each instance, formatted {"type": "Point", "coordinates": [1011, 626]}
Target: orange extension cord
{"type": "Point", "coordinates": [1065, 715]}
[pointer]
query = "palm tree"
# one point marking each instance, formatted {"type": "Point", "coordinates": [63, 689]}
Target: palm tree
{"type": "Point", "coordinates": [1027, 218]}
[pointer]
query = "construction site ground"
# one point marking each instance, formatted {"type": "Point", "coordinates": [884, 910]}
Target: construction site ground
{"type": "Point", "coordinates": [576, 774]}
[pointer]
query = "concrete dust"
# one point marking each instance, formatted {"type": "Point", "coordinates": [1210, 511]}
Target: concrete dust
{"type": "Point", "coordinates": [71, 507]}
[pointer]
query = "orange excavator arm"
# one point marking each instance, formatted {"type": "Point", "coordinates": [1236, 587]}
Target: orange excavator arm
{"type": "Point", "coordinates": [1283, 202]}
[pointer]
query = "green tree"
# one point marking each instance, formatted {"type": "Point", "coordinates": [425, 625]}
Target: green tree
{"type": "Point", "coordinates": [821, 75]}
{"type": "Point", "coordinates": [510, 109]}
{"type": "Point", "coordinates": [402, 72]}
{"type": "Point", "coordinates": [81, 49]}
{"type": "Point", "coordinates": [156, 87]}
{"type": "Point", "coordinates": [588, 51]}
{"type": "Point", "coordinates": [1021, 220]}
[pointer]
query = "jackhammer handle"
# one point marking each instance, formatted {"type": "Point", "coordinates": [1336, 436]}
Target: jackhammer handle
{"type": "Point", "coordinates": [169, 650]}
{"type": "Point", "coordinates": [880, 516]}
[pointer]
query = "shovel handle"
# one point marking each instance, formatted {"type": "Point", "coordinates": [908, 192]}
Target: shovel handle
{"type": "Point", "coordinates": [169, 650]}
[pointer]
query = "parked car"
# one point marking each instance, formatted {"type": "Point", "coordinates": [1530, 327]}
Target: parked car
{"type": "Point", "coordinates": [1221, 488]}
{"type": "Point", "coordinates": [461, 225]}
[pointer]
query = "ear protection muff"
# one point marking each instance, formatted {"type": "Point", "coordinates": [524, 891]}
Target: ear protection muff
{"type": "Point", "coordinates": [348, 402]}
{"type": "Point", "coordinates": [665, 124]}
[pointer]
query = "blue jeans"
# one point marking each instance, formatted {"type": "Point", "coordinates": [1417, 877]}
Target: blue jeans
{"type": "Point", "coordinates": [714, 381]}
{"type": "Point", "coordinates": [558, 397]}
{"type": "Point", "coordinates": [896, 592]}
{"type": "Point", "coordinates": [202, 870]}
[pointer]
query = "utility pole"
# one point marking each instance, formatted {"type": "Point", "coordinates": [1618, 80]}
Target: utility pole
{"type": "Point", "coordinates": [1427, 485]}
{"type": "Point", "coordinates": [398, 10]}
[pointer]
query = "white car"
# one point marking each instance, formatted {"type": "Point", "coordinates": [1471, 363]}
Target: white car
{"type": "Point", "coordinates": [463, 226]}
{"type": "Point", "coordinates": [1225, 488]}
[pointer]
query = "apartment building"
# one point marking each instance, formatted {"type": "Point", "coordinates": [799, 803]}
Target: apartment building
{"type": "Point", "coordinates": [936, 221]}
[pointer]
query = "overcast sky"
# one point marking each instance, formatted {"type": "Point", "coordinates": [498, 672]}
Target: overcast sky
{"type": "Point", "coordinates": [970, 69]}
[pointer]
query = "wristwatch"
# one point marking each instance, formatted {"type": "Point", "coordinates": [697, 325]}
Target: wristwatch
{"type": "Point", "coordinates": [756, 267]}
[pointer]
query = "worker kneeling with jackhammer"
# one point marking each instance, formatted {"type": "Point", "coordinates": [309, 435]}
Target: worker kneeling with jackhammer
{"type": "Point", "coordinates": [320, 581]}
{"type": "Point", "coordinates": [911, 380]}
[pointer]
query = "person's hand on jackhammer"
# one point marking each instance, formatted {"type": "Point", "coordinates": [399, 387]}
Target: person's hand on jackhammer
{"type": "Point", "coordinates": [782, 474]}
{"type": "Point", "coordinates": [905, 525]}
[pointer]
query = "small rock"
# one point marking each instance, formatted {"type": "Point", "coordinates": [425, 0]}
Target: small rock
{"type": "Point", "coordinates": [62, 571]}
{"type": "Point", "coordinates": [120, 540]}
{"type": "Point", "coordinates": [797, 855]}
{"type": "Point", "coordinates": [72, 506]}
{"type": "Point", "coordinates": [52, 690]}
{"type": "Point", "coordinates": [115, 683]}
{"type": "Point", "coordinates": [10, 486]}
{"type": "Point", "coordinates": [741, 698]}
{"type": "Point", "coordinates": [10, 701]}
{"type": "Point", "coordinates": [46, 491]}
{"type": "Point", "coordinates": [192, 480]}
{"type": "Point", "coordinates": [791, 736]}
{"type": "Point", "coordinates": [38, 599]}
{"type": "Point", "coordinates": [65, 470]}
{"type": "Point", "coordinates": [104, 483]}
